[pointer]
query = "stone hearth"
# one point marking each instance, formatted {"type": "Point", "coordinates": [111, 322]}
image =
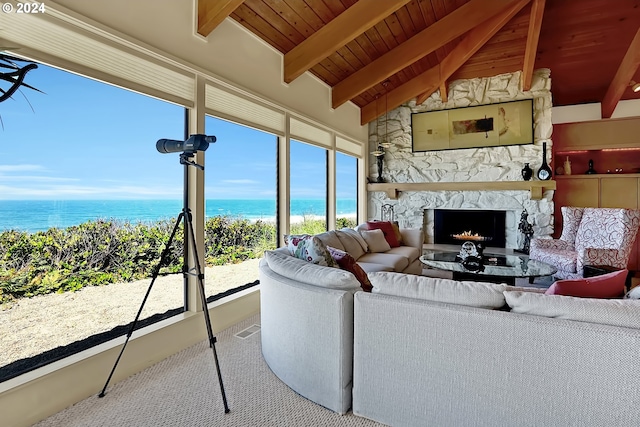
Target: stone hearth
{"type": "Point", "coordinates": [489, 164]}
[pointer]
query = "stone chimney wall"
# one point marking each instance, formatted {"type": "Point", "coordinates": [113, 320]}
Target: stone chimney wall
{"type": "Point", "coordinates": [466, 165]}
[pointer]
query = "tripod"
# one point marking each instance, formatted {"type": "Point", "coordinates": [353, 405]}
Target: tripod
{"type": "Point", "coordinates": [185, 159]}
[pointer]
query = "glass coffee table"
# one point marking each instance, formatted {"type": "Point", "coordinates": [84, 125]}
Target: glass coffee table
{"type": "Point", "coordinates": [497, 268]}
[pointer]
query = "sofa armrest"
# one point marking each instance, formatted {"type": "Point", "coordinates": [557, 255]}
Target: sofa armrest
{"type": "Point", "coordinates": [413, 237]}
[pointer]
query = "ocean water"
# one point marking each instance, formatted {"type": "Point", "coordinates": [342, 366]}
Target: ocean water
{"type": "Point", "coordinates": [40, 215]}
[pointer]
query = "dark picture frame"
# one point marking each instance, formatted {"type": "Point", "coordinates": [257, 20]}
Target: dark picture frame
{"type": "Point", "coordinates": [490, 125]}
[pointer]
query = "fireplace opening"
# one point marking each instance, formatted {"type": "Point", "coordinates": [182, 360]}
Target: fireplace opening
{"type": "Point", "coordinates": [454, 226]}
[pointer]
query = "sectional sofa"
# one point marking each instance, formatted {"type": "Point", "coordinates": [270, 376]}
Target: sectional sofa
{"type": "Point", "coordinates": [425, 351]}
{"type": "Point", "coordinates": [371, 251]}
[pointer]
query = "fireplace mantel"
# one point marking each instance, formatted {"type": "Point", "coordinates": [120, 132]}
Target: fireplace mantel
{"type": "Point", "coordinates": [537, 188]}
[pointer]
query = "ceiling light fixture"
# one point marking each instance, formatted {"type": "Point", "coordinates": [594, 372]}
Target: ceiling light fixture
{"type": "Point", "coordinates": [384, 143]}
{"type": "Point", "coordinates": [385, 139]}
{"type": "Point", "coordinates": [635, 86]}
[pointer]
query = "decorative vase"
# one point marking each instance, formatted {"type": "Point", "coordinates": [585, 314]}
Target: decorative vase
{"type": "Point", "coordinates": [527, 172]}
{"type": "Point", "coordinates": [591, 170]}
{"type": "Point", "coordinates": [567, 166]}
{"type": "Point", "coordinates": [544, 173]}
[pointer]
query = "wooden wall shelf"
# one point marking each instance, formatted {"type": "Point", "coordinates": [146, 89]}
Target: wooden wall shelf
{"type": "Point", "coordinates": [537, 188]}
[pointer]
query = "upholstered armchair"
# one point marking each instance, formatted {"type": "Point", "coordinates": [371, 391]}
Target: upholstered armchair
{"type": "Point", "coordinates": [590, 236]}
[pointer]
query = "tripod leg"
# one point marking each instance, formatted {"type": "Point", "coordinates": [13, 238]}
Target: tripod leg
{"type": "Point", "coordinates": [203, 300]}
{"type": "Point", "coordinates": [163, 257]}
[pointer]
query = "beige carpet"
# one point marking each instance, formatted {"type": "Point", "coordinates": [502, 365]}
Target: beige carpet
{"type": "Point", "coordinates": [183, 390]}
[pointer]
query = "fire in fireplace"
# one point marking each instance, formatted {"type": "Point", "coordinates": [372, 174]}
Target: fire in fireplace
{"type": "Point", "coordinates": [453, 226]}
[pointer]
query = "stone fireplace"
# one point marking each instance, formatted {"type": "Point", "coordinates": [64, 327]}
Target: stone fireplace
{"type": "Point", "coordinates": [488, 164]}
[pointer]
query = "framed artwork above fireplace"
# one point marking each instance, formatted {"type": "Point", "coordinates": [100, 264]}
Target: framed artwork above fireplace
{"type": "Point", "coordinates": [492, 125]}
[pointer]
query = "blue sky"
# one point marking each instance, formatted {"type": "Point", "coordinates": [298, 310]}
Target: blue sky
{"type": "Point", "coordinates": [88, 140]}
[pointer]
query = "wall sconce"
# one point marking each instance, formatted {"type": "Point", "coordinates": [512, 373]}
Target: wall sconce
{"type": "Point", "coordinates": [635, 86]}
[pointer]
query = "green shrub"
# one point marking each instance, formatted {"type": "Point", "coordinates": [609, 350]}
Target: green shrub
{"type": "Point", "coordinates": [100, 252]}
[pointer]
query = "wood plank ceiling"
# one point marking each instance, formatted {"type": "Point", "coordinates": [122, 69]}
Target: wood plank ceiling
{"type": "Point", "coordinates": [380, 54]}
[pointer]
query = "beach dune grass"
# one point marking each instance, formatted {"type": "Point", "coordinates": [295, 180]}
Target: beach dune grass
{"type": "Point", "coordinates": [101, 252]}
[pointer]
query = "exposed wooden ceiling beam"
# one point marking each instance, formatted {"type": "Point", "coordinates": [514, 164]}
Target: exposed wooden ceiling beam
{"type": "Point", "coordinates": [620, 82]}
{"type": "Point", "coordinates": [212, 12]}
{"type": "Point", "coordinates": [431, 79]}
{"type": "Point", "coordinates": [443, 91]}
{"type": "Point", "coordinates": [533, 35]}
{"type": "Point", "coordinates": [443, 94]}
{"type": "Point", "coordinates": [354, 21]}
{"type": "Point", "coordinates": [455, 24]}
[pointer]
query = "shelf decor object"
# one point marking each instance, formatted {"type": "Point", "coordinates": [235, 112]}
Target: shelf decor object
{"type": "Point", "coordinates": [544, 173]}
{"type": "Point", "coordinates": [567, 166]}
{"type": "Point", "coordinates": [492, 125]}
{"type": "Point", "coordinates": [527, 172]}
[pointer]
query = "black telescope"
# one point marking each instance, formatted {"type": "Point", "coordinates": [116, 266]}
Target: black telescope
{"type": "Point", "coordinates": [196, 142]}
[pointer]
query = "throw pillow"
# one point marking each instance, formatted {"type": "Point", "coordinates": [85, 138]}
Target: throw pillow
{"type": "Point", "coordinates": [330, 238]}
{"type": "Point", "coordinates": [396, 230]}
{"type": "Point", "coordinates": [616, 312]}
{"type": "Point", "coordinates": [634, 293]}
{"type": "Point", "coordinates": [310, 249]}
{"type": "Point", "coordinates": [610, 285]}
{"type": "Point", "coordinates": [387, 230]}
{"type": "Point", "coordinates": [474, 294]}
{"type": "Point", "coordinates": [375, 240]}
{"type": "Point", "coordinates": [356, 235]}
{"type": "Point", "coordinates": [348, 263]}
{"type": "Point", "coordinates": [350, 244]}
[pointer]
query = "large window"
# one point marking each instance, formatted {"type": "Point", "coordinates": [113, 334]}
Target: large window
{"type": "Point", "coordinates": [308, 188]}
{"type": "Point", "coordinates": [86, 205]}
{"type": "Point", "coordinates": [240, 204]}
{"type": "Point", "coordinates": [346, 190]}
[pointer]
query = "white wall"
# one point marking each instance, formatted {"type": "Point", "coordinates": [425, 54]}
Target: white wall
{"type": "Point", "coordinates": [587, 112]}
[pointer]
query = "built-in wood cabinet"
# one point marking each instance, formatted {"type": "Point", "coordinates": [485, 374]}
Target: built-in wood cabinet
{"type": "Point", "coordinates": [604, 191]}
{"type": "Point", "coordinates": [614, 147]}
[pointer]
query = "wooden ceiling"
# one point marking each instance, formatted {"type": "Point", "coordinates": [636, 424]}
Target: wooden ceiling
{"type": "Point", "coordinates": [380, 54]}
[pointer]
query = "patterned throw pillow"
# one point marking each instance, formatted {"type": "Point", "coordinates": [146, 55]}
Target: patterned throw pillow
{"type": "Point", "coordinates": [387, 229]}
{"type": "Point", "coordinates": [348, 263]}
{"type": "Point", "coordinates": [310, 249]}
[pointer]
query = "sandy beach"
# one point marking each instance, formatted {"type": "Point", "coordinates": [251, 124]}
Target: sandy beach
{"type": "Point", "coordinates": [30, 326]}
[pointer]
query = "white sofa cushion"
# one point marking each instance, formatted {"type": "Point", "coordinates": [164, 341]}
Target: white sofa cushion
{"type": "Point", "coordinates": [371, 267]}
{"type": "Point", "coordinates": [475, 294]}
{"type": "Point", "coordinates": [311, 274]}
{"type": "Point", "coordinates": [616, 312]}
{"type": "Point", "coordinates": [391, 261]}
{"type": "Point", "coordinates": [408, 252]}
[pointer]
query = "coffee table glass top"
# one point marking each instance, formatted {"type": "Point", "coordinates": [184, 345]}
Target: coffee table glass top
{"type": "Point", "coordinates": [494, 264]}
